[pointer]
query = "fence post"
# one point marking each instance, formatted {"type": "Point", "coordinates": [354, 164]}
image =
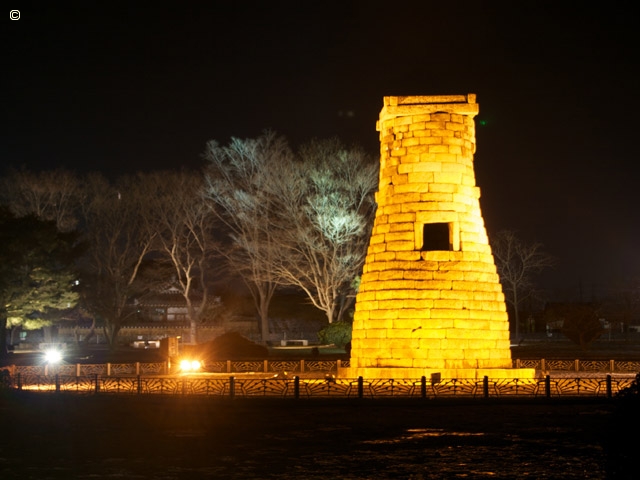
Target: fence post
{"type": "Point", "coordinates": [296, 387]}
{"type": "Point", "coordinates": [577, 365]}
{"type": "Point", "coordinates": [542, 365]}
{"type": "Point", "coordinates": [97, 383]}
{"type": "Point", "coordinates": [360, 387]}
{"type": "Point", "coordinates": [77, 369]}
{"type": "Point", "coordinates": [547, 386]}
{"type": "Point", "coordinates": [301, 365]}
{"type": "Point", "coordinates": [232, 387]}
{"type": "Point", "coordinates": [228, 366]}
{"type": "Point", "coordinates": [139, 385]}
{"type": "Point", "coordinates": [423, 386]}
{"type": "Point", "coordinates": [612, 366]}
{"type": "Point", "coordinates": [137, 368]}
{"type": "Point", "coordinates": [485, 386]}
{"type": "Point", "coordinates": [266, 366]}
{"type": "Point", "coordinates": [19, 380]}
{"type": "Point", "coordinates": [338, 364]}
{"type": "Point", "coordinates": [108, 369]}
{"type": "Point", "coordinates": [609, 386]}
{"type": "Point", "coordinates": [57, 383]}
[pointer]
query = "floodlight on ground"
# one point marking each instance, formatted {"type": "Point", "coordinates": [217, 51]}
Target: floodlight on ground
{"type": "Point", "coordinates": [53, 356]}
{"type": "Point", "coordinates": [190, 365]}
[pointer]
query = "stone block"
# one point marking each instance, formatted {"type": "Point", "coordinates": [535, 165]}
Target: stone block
{"type": "Point", "coordinates": [412, 188]}
{"type": "Point", "coordinates": [367, 296]}
{"type": "Point", "coordinates": [439, 326]}
{"type": "Point", "coordinates": [435, 125]}
{"type": "Point", "coordinates": [393, 304]}
{"type": "Point", "coordinates": [384, 257]}
{"type": "Point", "coordinates": [381, 318]}
{"type": "Point", "coordinates": [367, 305]}
{"type": "Point", "coordinates": [437, 149]}
{"type": "Point", "coordinates": [390, 275]}
{"type": "Point", "coordinates": [420, 274]}
{"type": "Point", "coordinates": [436, 258]}
{"type": "Point", "coordinates": [447, 304]}
{"type": "Point", "coordinates": [421, 177]}
{"type": "Point", "coordinates": [411, 256]}
{"type": "Point", "coordinates": [401, 246]}
{"type": "Point", "coordinates": [418, 149]}
{"type": "Point", "coordinates": [374, 333]}
{"type": "Point", "coordinates": [471, 324]}
{"type": "Point", "coordinates": [414, 311]}
{"type": "Point", "coordinates": [466, 297]}
{"type": "Point", "coordinates": [446, 313]}
{"type": "Point", "coordinates": [420, 305]}
{"type": "Point", "coordinates": [438, 197]}
{"type": "Point", "coordinates": [400, 217]}
{"type": "Point", "coordinates": [392, 294]}
{"type": "Point", "coordinates": [377, 248]}
{"type": "Point", "coordinates": [448, 275]}
{"type": "Point", "coordinates": [407, 235]}
{"type": "Point", "coordinates": [434, 285]}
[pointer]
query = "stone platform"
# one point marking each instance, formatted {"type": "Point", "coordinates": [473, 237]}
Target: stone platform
{"type": "Point", "coordinates": [458, 373]}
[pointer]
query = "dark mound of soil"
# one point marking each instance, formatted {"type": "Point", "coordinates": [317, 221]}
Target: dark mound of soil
{"type": "Point", "coordinates": [230, 346]}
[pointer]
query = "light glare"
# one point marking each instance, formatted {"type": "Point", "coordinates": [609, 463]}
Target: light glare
{"type": "Point", "coordinates": [53, 356]}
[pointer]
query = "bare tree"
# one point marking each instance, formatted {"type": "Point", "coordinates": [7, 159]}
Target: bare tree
{"type": "Point", "coordinates": [517, 262]}
{"type": "Point", "coordinates": [117, 242]}
{"type": "Point", "coordinates": [49, 195]}
{"type": "Point", "coordinates": [580, 321]}
{"type": "Point", "coordinates": [185, 236]}
{"type": "Point", "coordinates": [326, 224]}
{"type": "Point", "coordinates": [237, 183]}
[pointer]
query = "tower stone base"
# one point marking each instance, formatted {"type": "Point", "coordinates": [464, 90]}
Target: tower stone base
{"type": "Point", "coordinates": [445, 373]}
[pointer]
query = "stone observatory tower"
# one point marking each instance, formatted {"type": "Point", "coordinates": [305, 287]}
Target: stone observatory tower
{"type": "Point", "coordinates": [430, 299]}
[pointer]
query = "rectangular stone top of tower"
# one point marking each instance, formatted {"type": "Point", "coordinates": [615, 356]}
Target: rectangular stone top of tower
{"type": "Point", "coordinates": [426, 104]}
{"type": "Point", "coordinates": [424, 99]}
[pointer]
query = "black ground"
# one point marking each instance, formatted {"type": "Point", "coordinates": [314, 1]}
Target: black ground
{"type": "Point", "coordinates": [70, 436]}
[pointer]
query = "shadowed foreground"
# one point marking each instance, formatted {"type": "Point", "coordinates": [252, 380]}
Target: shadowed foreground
{"type": "Point", "coordinates": [71, 436]}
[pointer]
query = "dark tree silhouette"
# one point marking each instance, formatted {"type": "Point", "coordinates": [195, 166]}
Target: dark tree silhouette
{"type": "Point", "coordinates": [36, 273]}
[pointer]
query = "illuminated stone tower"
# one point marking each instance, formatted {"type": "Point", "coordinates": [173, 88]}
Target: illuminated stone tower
{"type": "Point", "coordinates": [430, 298]}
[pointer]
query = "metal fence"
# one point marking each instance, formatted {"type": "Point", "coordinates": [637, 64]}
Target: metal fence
{"type": "Point", "coordinates": [598, 366]}
{"type": "Point", "coordinates": [296, 387]}
{"type": "Point", "coordinates": [580, 367]}
{"type": "Point", "coordinates": [316, 378]}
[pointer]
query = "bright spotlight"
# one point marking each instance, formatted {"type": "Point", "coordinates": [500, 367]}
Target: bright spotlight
{"type": "Point", "coordinates": [190, 365]}
{"type": "Point", "coordinates": [53, 356]}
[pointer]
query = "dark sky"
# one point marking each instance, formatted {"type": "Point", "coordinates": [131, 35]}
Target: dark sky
{"type": "Point", "coordinates": [138, 86]}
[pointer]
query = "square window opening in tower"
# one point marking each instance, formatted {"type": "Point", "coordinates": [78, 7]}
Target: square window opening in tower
{"type": "Point", "coordinates": [436, 236]}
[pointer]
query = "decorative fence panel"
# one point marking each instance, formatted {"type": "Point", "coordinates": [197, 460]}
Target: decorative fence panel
{"type": "Point", "coordinates": [244, 386]}
{"type": "Point", "coordinates": [315, 378]}
{"type": "Point", "coordinates": [302, 367]}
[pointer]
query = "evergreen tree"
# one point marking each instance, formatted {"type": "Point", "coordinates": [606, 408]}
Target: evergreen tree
{"type": "Point", "coordinates": [36, 274]}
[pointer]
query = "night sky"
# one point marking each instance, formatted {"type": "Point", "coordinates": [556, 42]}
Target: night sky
{"type": "Point", "coordinates": [123, 87]}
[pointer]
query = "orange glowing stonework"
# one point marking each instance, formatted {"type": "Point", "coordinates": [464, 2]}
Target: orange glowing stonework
{"type": "Point", "coordinates": [430, 300]}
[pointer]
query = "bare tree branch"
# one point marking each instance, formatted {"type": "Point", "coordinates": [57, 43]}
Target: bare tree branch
{"type": "Point", "coordinates": [184, 225]}
{"type": "Point", "coordinates": [326, 224]}
{"type": "Point", "coordinates": [237, 183]}
{"type": "Point", "coordinates": [516, 263]}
